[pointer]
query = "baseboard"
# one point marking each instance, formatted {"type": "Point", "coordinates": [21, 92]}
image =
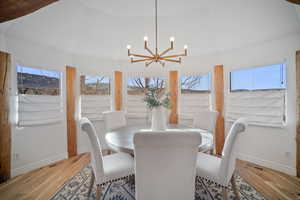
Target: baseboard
{"type": "Point", "coordinates": [38, 164]}
{"type": "Point", "coordinates": [82, 149]}
{"type": "Point", "coordinates": [269, 164]}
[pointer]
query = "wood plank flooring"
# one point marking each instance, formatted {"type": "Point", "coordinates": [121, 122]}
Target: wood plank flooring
{"type": "Point", "coordinates": [44, 182]}
{"type": "Point", "coordinates": [272, 184]}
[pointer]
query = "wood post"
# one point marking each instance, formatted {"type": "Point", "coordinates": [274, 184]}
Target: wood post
{"type": "Point", "coordinates": [219, 102]}
{"type": "Point", "coordinates": [298, 110]}
{"type": "Point", "coordinates": [173, 85]}
{"type": "Point", "coordinates": [82, 84]}
{"type": "Point", "coordinates": [5, 126]}
{"type": "Point", "coordinates": [118, 90]}
{"type": "Point", "coordinates": [71, 101]}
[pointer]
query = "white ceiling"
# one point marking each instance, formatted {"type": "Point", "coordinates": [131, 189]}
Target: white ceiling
{"type": "Point", "coordinates": [104, 28]}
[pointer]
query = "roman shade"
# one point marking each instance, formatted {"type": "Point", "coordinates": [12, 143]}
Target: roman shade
{"type": "Point", "coordinates": [264, 108]}
{"type": "Point", "coordinates": [191, 104]}
{"type": "Point", "coordinates": [39, 109]}
{"type": "Point", "coordinates": [92, 106]}
{"type": "Point", "coordinates": [136, 107]}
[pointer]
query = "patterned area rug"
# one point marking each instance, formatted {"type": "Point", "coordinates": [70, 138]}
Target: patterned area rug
{"type": "Point", "coordinates": [77, 187]}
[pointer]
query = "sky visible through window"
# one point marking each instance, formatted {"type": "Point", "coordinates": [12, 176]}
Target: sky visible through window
{"type": "Point", "coordinates": [259, 78]}
{"type": "Point", "coordinates": [196, 82]}
{"type": "Point", "coordinates": [94, 79]}
{"type": "Point", "coordinates": [153, 82]}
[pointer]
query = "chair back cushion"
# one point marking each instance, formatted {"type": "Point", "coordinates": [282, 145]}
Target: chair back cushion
{"type": "Point", "coordinates": [95, 148]}
{"type": "Point", "coordinates": [206, 120]}
{"type": "Point", "coordinates": [229, 153]}
{"type": "Point", "coordinates": [165, 165]}
{"type": "Point", "coordinates": [114, 119]}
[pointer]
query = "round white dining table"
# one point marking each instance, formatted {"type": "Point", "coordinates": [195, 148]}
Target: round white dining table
{"type": "Point", "coordinates": [121, 139]}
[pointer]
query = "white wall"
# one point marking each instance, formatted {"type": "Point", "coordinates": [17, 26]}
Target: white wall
{"type": "Point", "coordinates": [271, 147]}
{"type": "Point", "coordinates": [36, 146]}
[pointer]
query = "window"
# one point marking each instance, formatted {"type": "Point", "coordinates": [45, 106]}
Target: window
{"type": "Point", "coordinates": [258, 94]}
{"type": "Point", "coordinates": [195, 84]}
{"type": "Point", "coordinates": [259, 78]}
{"type": "Point", "coordinates": [195, 95]}
{"type": "Point", "coordinates": [33, 81]}
{"type": "Point", "coordinates": [95, 85]}
{"type": "Point", "coordinates": [95, 96]}
{"type": "Point", "coordinates": [39, 100]}
{"type": "Point", "coordinates": [136, 87]}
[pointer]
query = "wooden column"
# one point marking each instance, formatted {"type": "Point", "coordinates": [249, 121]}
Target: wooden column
{"type": "Point", "coordinates": [82, 84]}
{"type": "Point", "coordinates": [173, 85]}
{"type": "Point", "coordinates": [71, 101]}
{"type": "Point", "coordinates": [5, 127]}
{"type": "Point", "coordinates": [219, 102]}
{"type": "Point", "coordinates": [118, 90]}
{"type": "Point", "coordinates": [298, 110]}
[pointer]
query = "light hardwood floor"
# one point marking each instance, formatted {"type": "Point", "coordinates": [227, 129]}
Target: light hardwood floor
{"type": "Point", "coordinates": [44, 182]}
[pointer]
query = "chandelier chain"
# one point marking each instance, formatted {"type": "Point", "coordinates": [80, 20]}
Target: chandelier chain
{"type": "Point", "coordinates": [156, 39]}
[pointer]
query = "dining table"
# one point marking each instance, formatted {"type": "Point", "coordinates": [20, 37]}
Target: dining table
{"type": "Point", "coordinates": [121, 139]}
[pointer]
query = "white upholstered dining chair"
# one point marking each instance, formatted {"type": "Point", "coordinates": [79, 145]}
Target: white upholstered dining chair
{"type": "Point", "coordinates": [165, 165]}
{"type": "Point", "coordinates": [114, 119]}
{"type": "Point", "coordinates": [206, 120]}
{"type": "Point", "coordinates": [221, 170]}
{"type": "Point", "coordinates": [105, 168]}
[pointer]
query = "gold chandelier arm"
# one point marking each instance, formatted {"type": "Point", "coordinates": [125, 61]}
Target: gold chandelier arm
{"type": "Point", "coordinates": [149, 63]}
{"type": "Point", "coordinates": [146, 47]}
{"type": "Point", "coordinates": [171, 60]}
{"type": "Point", "coordinates": [141, 60]}
{"type": "Point", "coordinates": [173, 56]}
{"type": "Point", "coordinates": [165, 51]}
{"type": "Point", "coordinates": [141, 56]}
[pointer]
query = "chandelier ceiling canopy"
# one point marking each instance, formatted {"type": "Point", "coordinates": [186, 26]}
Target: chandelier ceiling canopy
{"type": "Point", "coordinates": [155, 56]}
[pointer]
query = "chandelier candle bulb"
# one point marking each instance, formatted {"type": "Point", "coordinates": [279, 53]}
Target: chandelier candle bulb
{"type": "Point", "coordinates": [128, 49]}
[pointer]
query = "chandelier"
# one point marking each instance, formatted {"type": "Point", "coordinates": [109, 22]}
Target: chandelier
{"type": "Point", "coordinates": [155, 56]}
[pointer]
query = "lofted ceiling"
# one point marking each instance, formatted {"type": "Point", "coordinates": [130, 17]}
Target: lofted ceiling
{"type": "Point", "coordinates": [12, 9]}
{"type": "Point", "coordinates": [101, 28]}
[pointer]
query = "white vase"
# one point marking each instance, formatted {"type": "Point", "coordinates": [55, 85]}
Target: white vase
{"type": "Point", "coordinates": [159, 121]}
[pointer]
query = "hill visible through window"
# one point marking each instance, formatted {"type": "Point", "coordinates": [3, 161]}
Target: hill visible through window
{"type": "Point", "coordinates": [33, 81]}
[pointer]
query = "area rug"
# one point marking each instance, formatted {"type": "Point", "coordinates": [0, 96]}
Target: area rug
{"type": "Point", "coordinates": [77, 187]}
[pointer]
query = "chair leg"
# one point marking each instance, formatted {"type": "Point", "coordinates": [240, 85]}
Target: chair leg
{"type": "Point", "coordinates": [91, 183]}
{"type": "Point", "coordinates": [224, 193]}
{"type": "Point", "coordinates": [98, 192]}
{"type": "Point", "coordinates": [235, 191]}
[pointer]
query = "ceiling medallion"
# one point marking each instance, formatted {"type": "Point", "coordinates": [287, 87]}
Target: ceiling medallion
{"type": "Point", "coordinates": [161, 58]}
